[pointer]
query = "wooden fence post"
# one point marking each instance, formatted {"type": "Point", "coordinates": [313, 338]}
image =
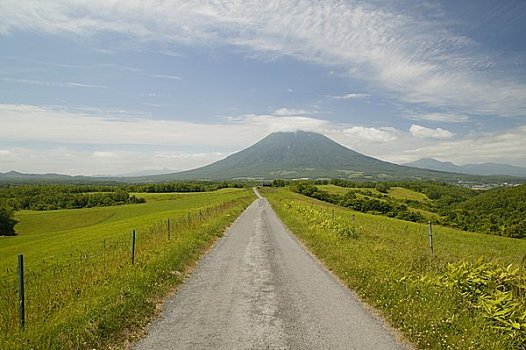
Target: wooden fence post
{"type": "Point", "coordinates": [133, 248]}
{"type": "Point", "coordinates": [21, 292]}
{"type": "Point", "coordinates": [431, 238]}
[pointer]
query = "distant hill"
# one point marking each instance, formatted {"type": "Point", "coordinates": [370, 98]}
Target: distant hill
{"type": "Point", "coordinates": [148, 172]}
{"type": "Point", "coordinates": [472, 169]}
{"type": "Point", "coordinates": [303, 154]}
{"type": "Point", "coordinates": [18, 177]}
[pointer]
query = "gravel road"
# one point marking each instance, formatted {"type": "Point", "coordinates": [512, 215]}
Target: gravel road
{"type": "Point", "coordinates": [259, 289]}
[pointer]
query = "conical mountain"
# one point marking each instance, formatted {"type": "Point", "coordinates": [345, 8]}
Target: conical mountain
{"type": "Point", "coordinates": [299, 154]}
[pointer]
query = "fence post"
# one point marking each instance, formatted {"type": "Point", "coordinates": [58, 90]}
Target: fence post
{"type": "Point", "coordinates": [133, 248]}
{"type": "Point", "coordinates": [431, 238]}
{"type": "Point", "coordinates": [21, 292]}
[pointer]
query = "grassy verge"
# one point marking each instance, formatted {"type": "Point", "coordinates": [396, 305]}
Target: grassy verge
{"type": "Point", "coordinates": [82, 291]}
{"type": "Point", "coordinates": [388, 263]}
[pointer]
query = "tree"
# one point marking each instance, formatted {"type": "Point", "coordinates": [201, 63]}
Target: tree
{"type": "Point", "coordinates": [7, 222]}
{"type": "Point", "coordinates": [382, 187]}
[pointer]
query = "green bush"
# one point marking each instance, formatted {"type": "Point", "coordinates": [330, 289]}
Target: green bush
{"type": "Point", "coordinates": [7, 223]}
{"type": "Point", "coordinates": [498, 291]}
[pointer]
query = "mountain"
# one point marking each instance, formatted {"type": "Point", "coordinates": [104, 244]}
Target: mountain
{"type": "Point", "coordinates": [472, 169]}
{"type": "Point", "coordinates": [303, 154]}
{"type": "Point", "coordinates": [282, 155]}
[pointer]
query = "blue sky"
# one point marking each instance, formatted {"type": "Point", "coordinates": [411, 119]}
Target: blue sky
{"type": "Point", "coordinates": [112, 87]}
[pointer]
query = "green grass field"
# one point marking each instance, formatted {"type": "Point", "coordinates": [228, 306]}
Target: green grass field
{"type": "Point", "coordinates": [401, 193]}
{"type": "Point", "coordinates": [383, 260]}
{"type": "Point", "coordinates": [81, 290]}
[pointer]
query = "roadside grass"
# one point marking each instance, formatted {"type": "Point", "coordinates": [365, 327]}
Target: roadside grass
{"type": "Point", "coordinates": [81, 290]}
{"type": "Point", "coordinates": [385, 261]}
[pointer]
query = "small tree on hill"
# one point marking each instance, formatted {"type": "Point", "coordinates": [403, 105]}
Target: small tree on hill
{"type": "Point", "coordinates": [7, 223]}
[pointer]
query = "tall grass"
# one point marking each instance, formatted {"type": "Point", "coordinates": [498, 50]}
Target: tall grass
{"type": "Point", "coordinates": [384, 260]}
{"type": "Point", "coordinates": [89, 295]}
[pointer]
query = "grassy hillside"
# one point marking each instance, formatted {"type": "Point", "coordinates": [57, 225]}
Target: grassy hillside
{"type": "Point", "coordinates": [388, 262]}
{"type": "Point", "coordinates": [82, 291]}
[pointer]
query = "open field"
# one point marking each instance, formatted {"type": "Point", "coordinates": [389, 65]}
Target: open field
{"type": "Point", "coordinates": [388, 263]}
{"type": "Point", "coordinates": [81, 288]}
{"type": "Point", "coordinates": [406, 194]}
{"type": "Point", "coordinates": [398, 193]}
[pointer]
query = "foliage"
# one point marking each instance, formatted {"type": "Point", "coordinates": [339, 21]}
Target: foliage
{"type": "Point", "coordinates": [53, 197]}
{"type": "Point", "coordinates": [499, 211]}
{"type": "Point", "coordinates": [279, 183]}
{"type": "Point", "coordinates": [7, 222]}
{"type": "Point", "coordinates": [184, 186]}
{"type": "Point", "coordinates": [498, 291]}
{"type": "Point", "coordinates": [365, 205]}
{"type": "Point", "coordinates": [382, 187]}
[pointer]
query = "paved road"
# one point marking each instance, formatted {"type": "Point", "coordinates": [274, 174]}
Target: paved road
{"type": "Point", "coordinates": [258, 289]}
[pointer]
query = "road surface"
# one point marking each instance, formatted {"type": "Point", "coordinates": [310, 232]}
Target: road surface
{"type": "Point", "coordinates": [259, 289]}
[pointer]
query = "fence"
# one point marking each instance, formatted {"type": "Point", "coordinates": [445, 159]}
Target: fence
{"type": "Point", "coordinates": [49, 284]}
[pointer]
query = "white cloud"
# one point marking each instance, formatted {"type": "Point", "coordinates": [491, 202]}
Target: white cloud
{"type": "Point", "coordinates": [375, 135]}
{"type": "Point", "coordinates": [422, 131]}
{"type": "Point", "coordinates": [57, 125]}
{"type": "Point", "coordinates": [82, 85]}
{"type": "Point", "coordinates": [352, 95]}
{"type": "Point", "coordinates": [290, 111]}
{"type": "Point", "coordinates": [500, 147]}
{"type": "Point", "coordinates": [420, 60]}
{"type": "Point", "coordinates": [166, 76]}
{"type": "Point", "coordinates": [103, 154]}
{"type": "Point", "coordinates": [440, 117]}
{"type": "Point", "coordinates": [53, 84]}
{"type": "Point", "coordinates": [65, 160]}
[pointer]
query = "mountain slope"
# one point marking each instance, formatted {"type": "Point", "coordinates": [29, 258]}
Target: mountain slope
{"type": "Point", "coordinates": [472, 169]}
{"type": "Point", "coordinates": [302, 154]}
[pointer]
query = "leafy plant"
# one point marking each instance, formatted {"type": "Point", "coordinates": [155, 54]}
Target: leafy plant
{"type": "Point", "coordinates": [496, 290]}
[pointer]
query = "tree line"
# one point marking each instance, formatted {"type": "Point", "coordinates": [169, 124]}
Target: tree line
{"type": "Point", "coordinates": [365, 205]}
{"type": "Point", "coordinates": [72, 196]}
{"type": "Point", "coordinates": [500, 211]}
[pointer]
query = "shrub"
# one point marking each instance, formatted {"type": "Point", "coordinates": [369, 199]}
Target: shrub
{"type": "Point", "coordinates": [7, 222]}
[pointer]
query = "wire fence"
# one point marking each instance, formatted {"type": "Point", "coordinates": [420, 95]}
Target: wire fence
{"type": "Point", "coordinates": [50, 285]}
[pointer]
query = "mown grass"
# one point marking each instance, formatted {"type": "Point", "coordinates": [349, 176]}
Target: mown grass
{"type": "Point", "coordinates": [81, 290]}
{"type": "Point", "coordinates": [380, 257]}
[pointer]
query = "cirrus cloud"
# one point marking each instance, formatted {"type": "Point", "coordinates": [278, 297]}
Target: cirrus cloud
{"type": "Point", "coordinates": [417, 59]}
